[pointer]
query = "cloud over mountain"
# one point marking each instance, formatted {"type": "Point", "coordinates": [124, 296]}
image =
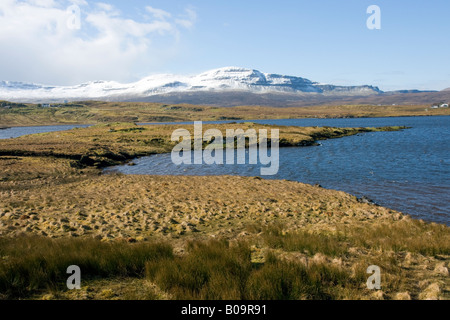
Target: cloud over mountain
{"type": "Point", "coordinates": [41, 41]}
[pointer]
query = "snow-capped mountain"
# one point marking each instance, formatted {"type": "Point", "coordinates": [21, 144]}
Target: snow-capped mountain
{"type": "Point", "coordinates": [223, 80]}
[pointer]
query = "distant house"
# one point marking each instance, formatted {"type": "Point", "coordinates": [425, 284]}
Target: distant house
{"type": "Point", "coordinates": [444, 105]}
{"type": "Point", "coordinates": [434, 107]}
{"type": "Point", "coordinates": [46, 105]}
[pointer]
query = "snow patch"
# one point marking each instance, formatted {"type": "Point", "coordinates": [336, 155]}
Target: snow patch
{"type": "Point", "coordinates": [222, 79]}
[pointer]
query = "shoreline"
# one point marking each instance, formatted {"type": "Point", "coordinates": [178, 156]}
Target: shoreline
{"type": "Point", "coordinates": [291, 222]}
{"type": "Point", "coordinates": [97, 112]}
{"type": "Point", "coordinates": [149, 140]}
{"type": "Point", "coordinates": [113, 159]}
{"type": "Point", "coordinates": [54, 196]}
{"type": "Point", "coordinates": [220, 121]}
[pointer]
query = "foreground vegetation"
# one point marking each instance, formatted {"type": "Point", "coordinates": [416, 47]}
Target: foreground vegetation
{"type": "Point", "coordinates": [252, 268]}
{"type": "Point", "coordinates": [166, 237]}
{"type": "Point", "coordinates": [92, 112]}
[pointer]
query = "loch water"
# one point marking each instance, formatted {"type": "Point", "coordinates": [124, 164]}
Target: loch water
{"type": "Point", "coordinates": [406, 170]}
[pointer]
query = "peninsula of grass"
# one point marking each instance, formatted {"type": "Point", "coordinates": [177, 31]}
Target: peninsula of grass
{"type": "Point", "coordinates": [110, 144]}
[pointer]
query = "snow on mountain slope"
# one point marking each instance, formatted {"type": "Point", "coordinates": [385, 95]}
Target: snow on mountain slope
{"type": "Point", "coordinates": [218, 80]}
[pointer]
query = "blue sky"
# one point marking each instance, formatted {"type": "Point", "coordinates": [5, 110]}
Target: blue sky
{"type": "Point", "coordinates": [325, 40]}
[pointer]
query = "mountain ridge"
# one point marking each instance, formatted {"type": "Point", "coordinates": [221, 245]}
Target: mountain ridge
{"type": "Point", "coordinates": [216, 80]}
{"type": "Point", "coordinates": [229, 86]}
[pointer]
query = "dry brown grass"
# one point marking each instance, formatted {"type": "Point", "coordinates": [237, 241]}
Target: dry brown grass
{"type": "Point", "coordinates": [29, 264]}
{"type": "Point", "coordinates": [118, 206]}
{"type": "Point", "coordinates": [32, 267]}
{"type": "Point", "coordinates": [300, 225]}
{"type": "Point", "coordinates": [289, 228]}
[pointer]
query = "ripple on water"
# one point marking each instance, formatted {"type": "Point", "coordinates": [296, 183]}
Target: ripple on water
{"type": "Point", "coordinates": [407, 171]}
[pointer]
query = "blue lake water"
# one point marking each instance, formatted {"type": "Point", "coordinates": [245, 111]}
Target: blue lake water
{"type": "Point", "coordinates": [22, 131]}
{"type": "Point", "coordinates": [408, 171]}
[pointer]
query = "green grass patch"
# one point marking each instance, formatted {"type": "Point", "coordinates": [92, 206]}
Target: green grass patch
{"type": "Point", "coordinates": [216, 271]}
{"type": "Point", "coordinates": [411, 235]}
{"type": "Point", "coordinates": [212, 270]}
{"type": "Point", "coordinates": [304, 241]}
{"type": "Point", "coordinates": [402, 236]}
{"type": "Point", "coordinates": [28, 264]}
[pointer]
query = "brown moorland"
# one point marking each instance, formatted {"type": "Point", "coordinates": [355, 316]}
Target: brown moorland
{"type": "Point", "coordinates": [94, 112]}
{"type": "Point", "coordinates": [141, 237]}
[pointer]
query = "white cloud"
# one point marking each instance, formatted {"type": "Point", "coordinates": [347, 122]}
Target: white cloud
{"type": "Point", "coordinates": [158, 13]}
{"type": "Point", "coordinates": [38, 46]}
{"type": "Point", "coordinates": [43, 3]}
{"type": "Point", "coordinates": [105, 7]}
{"type": "Point", "coordinates": [188, 19]}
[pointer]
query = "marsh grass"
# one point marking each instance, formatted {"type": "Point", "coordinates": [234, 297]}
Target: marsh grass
{"type": "Point", "coordinates": [215, 270]}
{"type": "Point", "coordinates": [304, 241]}
{"type": "Point", "coordinates": [211, 270]}
{"type": "Point", "coordinates": [207, 270]}
{"type": "Point", "coordinates": [385, 244]}
{"type": "Point", "coordinates": [394, 277]}
{"type": "Point", "coordinates": [28, 263]}
{"type": "Point", "coordinates": [287, 280]}
{"type": "Point", "coordinates": [407, 235]}
{"type": "Point", "coordinates": [397, 236]}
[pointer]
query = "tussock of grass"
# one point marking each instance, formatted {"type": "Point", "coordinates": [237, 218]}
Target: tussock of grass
{"type": "Point", "coordinates": [304, 241]}
{"type": "Point", "coordinates": [32, 263]}
{"type": "Point", "coordinates": [284, 280]}
{"type": "Point", "coordinates": [215, 271]}
{"type": "Point", "coordinates": [397, 236]}
{"type": "Point", "coordinates": [406, 235]}
{"type": "Point", "coordinates": [402, 249]}
{"type": "Point", "coordinates": [210, 271]}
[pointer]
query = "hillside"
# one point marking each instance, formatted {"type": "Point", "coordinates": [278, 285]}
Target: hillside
{"type": "Point", "coordinates": [230, 86]}
{"type": "Point", "coordinates": [223, 80]}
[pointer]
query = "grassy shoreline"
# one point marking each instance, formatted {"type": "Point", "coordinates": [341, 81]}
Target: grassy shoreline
{"type": "Point", "coordinates": [113, 144]}
{"type": "Point", "coordinates": [144, 237]}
